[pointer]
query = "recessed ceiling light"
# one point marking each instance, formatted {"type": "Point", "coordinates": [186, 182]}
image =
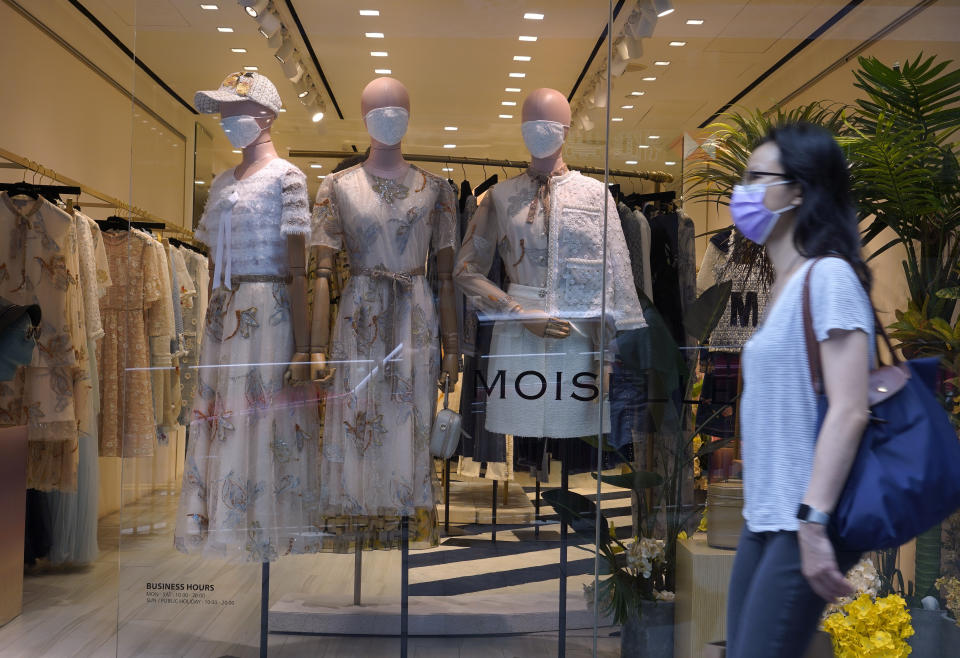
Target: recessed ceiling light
{"type": "Point", "coordinates": [669, 163]}
{"type": "Point", "coordinates": [382, 71]}
{"type": "Point", "coordinates": [283, 109]}
{"type": "Point", "coordinates": [643, 146]}
{"type": "Point", "coordinates": [209, 7]}
{"type": "Point", "coordinates": [237, 151]}
{"type": "Point", "coordinates": [508, 103]}
{"type": "Point", "coordinates": [224, 29]}
{"type": "Point", "coordinates": [518, 75]}
{"type": "Point", "coordinates": [521, 58]}
{"type": "Point", "coordinates": [505, 116]}
{"type": "Point", "coordinates": [637, 93]}
{"type": "Point", "coordinates": [449, 146]}
{"type": "Point", "coordinates": [369, 12]}
{"type": "Point", "coordinates": [373, 35]}
{"type": "Point", "coordinates": [695, 21]}
{"type": "Point", "coordinates": [664, 13]}
{"type": "Point", "coordinates": [512, 90]}
{"type": "Point", "coordinates": [533, 16]}
{"type": "Point", "coordinates": [450, 128]}
{"type": "Point", "coordinates": [198, 182]}
{"type": "Point", "coordinates": [661, 63]}
{"type": "Point", "coordinates": [316, 165]}
{"type": "Point", "coordinates": [527, 38]}
{"type": "Point", "coordinates": [446, 169]}
{"type": "Point", "coordinates": [631, 162]}
{"type": "Point", "coordinates": [239, 51]}
{"type": "Point", "coordinates": [649, 79]}
{"type": "Point", "coordinates": [653, 137]}
{"type": "Point", "coordinates": [249, 68]}
{"type": "Point", "coordinates": [626, 107]}
{"type": "Point", "coordinates": [677, 44]}
{"type": "Point", "coordinates": [379, 53]}
{"type": "Point", "coordinates": [616, 118]}
{"type": "Point", "coordinates": [321, 177]}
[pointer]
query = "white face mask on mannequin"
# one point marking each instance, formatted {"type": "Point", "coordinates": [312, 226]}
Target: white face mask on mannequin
{"type": "Point", "coordinates": [242, 130]}
{"type": "Point", "coordinates": [542, 137]}
{"type": "Point", "coordinates": [387, 125]}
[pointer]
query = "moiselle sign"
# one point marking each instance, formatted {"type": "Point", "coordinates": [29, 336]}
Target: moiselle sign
{"type": "Point", "coordinates": [534, 385]}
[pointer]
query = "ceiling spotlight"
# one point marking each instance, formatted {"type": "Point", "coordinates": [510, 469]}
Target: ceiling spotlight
{"type": "Point", "coordinates": [269, 23]}
{"type": "Point", "coordinates": [318, 109]}
{"type": "Point", "coordinates": [527, 38]}
{"type": "Point", "coordinates": [508, 103]}
{"type": "Point", "coordinates": [518, 75]}
{"type": "Point", "coordinates": [678, 44]}
{"type": "Point", "coordinates": [653, 137]}
{"type": "Point", "coordinates": [321, 177]}
{"type": "Point", "coordinates": [293, 69]}
{"type": "Point", "coordinates": [369, 12]}
{"type": "Point", "coordinates": [662, 7]}
{"type": "Point", "coordinates": [637, 93]}
{"type": "Point", "coordinates": [649, 78]}
{"type": "Point", "coordinates": [626, 107]}
{"type": "Point", "coordinates": [449, 146]}
{"type": "Point", "coordinates": [308, 98]}
{"type": "Point", "coordinates": [669, 163]}
{"type": "Point", "coordinates": [450, 128]}
{"type": "Point", "coordinates": [225, 29]}
{"type": "Point", "coordinates": [616, 118]}
{"type": "Point", "coordinates": [373, 35]}
{"type": "Point", "coordinates": [237, 151]}
{"type": "Point", "coordinates": [302, 86]}
{"type": "Point", "coordinates": [254, 7]}
{"type": "Point", "coordinates": [631, 162]}
{"type": "Point", "coordinates": [239, 51]}
{"type": "Point", "coordinates": [643, 146]}
{"type": "Point", "coordinates": [661, 63]}
{"type": "Point", "coordinates": [378, 53]}
{"type": "Point", "coordinates": [250, 68]}
{"type": "Point", "coordinates": [209, 7]}
{"type": "Point", "coordinates": [316, 165]}
{"type": "Point", "coordinates": [382, 71]}
{"type": "Point", "coordinates": [521, 58]}
{"type": "Point", "coordinates": [505, 116]}
{"type": "Point", "coordinates": [512, 90]}
{"type": "Point", "coordinates": [533, 16]}
{"type": "Point", "coordinates": [695, 21]}
{"type": "Point", "coordinates": [446, 169]}
{"type": "Point", "coordinates": [284, 51]}
{"type": "Point", "coordinates": [277, 39]}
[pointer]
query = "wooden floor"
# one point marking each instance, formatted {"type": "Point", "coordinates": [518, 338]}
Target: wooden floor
{"type": "Point", "coordinates": [78, 612]}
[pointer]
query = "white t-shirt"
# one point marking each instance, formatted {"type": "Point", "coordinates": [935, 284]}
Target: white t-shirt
{"type": "Point", "coordinates": [778, 408]}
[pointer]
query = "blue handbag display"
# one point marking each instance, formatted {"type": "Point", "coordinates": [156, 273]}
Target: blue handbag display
{"type": "Point", "coordinates": [19, 328]}
{"type": "Point", "coordinates": [906, 476]}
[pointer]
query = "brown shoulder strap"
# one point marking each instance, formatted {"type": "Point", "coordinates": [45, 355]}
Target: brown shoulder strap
{"type": "Point", "coordinates": [813, 345]}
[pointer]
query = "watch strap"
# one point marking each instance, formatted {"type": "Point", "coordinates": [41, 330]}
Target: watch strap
{"type": "Point", "coordinates": [808, 514]}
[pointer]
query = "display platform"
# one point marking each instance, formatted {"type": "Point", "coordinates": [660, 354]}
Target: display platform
{"type": "Point", "coordinates": [465, 614]}
{"type": "Point", "coordinates": [472, 502]}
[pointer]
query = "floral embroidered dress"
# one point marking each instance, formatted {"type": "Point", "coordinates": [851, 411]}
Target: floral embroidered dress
{"type": "Point", "coordinates": [39, 264]}
{"type": "Point", "coordinates": [376, 463]}
{"type": "Point", "coordinates": [250, 477]}
{"type": "Point", "coordinates": [549, 232]}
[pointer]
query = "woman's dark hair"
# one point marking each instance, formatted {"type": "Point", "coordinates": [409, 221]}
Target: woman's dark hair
{"type": "Point", "coordinates": [826, 222]}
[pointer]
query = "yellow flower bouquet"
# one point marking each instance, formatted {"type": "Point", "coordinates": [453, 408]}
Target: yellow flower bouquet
{"type": "Point", "coordinates": [865, 628]}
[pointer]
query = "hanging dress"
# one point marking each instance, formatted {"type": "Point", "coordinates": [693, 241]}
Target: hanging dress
{"type": "Point", "coordinates": [376, 463]}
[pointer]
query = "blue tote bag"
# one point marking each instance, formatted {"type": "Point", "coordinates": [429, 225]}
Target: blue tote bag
{"type": "Point", "coordinates": [906, 476]}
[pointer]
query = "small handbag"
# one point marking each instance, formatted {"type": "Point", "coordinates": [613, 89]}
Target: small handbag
{"type": "Point", "coordinates": [906, 476]}
{"type": "Point", "coordinates": [445, 436]}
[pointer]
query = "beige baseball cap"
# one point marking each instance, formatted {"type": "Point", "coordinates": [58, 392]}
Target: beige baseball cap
{"type": "Point", "coordinates": [244, 86]}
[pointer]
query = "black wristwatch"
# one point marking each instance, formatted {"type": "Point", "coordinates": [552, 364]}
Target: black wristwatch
{"type": "Point", "coordinates": [808, 514]}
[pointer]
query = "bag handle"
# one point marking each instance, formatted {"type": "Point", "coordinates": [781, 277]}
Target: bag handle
{"type": "Point", "coordinates": [813, 345]}
{"type": "Point", "coordinates": [446, 391]}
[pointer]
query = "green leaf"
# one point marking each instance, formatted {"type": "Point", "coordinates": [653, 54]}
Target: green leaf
{"type": "Point", "coordinates": [579, 513]}
{"type": "Point", "coordinates": [949, 293]}
{"type": "Point", "coordinates": [703, 314]}
{"type": "Point", "coordinates": [636, 481]}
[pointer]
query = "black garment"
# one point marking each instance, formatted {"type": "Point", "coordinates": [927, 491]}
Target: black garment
{"type": "Point", "coordinates": [38, 531]}
{"type": "Point", "coordinates": [717, 411]}
{"type": "Point", "coordinates": [664, 270]}
{"type": "Point", "coordinates": [721, 241]}
{"type": "Point", "coordinates": [482, 446]}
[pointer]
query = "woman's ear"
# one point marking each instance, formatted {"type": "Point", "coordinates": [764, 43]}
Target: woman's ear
{"type": "Point", "coordinates": [797, 199]}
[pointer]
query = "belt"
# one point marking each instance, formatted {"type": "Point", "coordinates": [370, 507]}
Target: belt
{"type": "Point", "coordinates": [401, 282]}
{"type": "Point", "coordinates": [259, 278]}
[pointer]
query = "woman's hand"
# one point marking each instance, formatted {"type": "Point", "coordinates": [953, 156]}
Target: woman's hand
{"type": "Point", "coordinates": [542, 325]}
{"type": "Point", "coordinates": [450, 368]}
{"type": "Point", "coordinates": [818, 563]}
{"type": "Point", "coordinates": [298, 371]}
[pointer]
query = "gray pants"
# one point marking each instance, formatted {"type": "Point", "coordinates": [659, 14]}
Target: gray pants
{"type": "Point", "coordinates": [772, 612]}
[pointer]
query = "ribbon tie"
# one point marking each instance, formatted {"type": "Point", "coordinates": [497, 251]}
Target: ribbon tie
{"type": "Point", "coordinates": [224, 255]}
{"type": "Point", "coordinates": [542, 195]}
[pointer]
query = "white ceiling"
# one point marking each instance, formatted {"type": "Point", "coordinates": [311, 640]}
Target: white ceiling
{"type": "Point", "coordinates": [455, 56]}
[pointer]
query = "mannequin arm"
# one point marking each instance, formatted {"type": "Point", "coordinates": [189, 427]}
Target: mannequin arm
{"type": "Point", "coordinates": [298, 372]}
{"type": "Point", "coordinates": [448, 318]}
{"type": "Point", "coordinates": [320, 330]}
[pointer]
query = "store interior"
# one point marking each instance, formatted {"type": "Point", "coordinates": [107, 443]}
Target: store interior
{"type": "Point", "coordinates": [99, 95]}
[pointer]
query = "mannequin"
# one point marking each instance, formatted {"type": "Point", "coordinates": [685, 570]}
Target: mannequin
{"type": "Point", "coordinates": [385, 213]}
{"type": "Point", "coordinates": [250, 466]}
{"type": "Point", "coordinates": [547, 225]}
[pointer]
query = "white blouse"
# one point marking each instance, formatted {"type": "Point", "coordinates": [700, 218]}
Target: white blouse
{"type": "Point", "coordinates": [563, 256]}
{"type": "Point", "coordinates": [246, 221]}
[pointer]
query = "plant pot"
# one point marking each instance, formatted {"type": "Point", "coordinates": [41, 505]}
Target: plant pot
{"type": "Point", "coordinates": [650, 633]}
{"type": "Point", "coordinates": [934, 634]}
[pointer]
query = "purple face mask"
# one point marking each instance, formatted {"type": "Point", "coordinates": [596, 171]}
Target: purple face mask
{"type": "Point", "coordinates": [750, 216]}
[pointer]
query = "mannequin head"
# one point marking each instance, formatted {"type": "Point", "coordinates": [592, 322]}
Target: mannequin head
{"type": "Point", "coordinates": [264, 116]}
{"type": "Point", "coordinates": [546, 105]}
{"type": "Point", "coordinates": [384, 92]}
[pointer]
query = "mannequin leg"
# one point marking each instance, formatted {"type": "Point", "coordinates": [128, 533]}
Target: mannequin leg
{"type": "Point", "coordinates": [404, 583]}
{"type": "Point", "coordinates": [493, 519]}
{"type": "Point", "coordinates": [264, 606]}
{"type": "Point", "coordinates": [565, 486]}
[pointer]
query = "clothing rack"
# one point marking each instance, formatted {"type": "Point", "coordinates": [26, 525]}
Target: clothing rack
{"type": "Point", "coordinates": [186, 245]}
{"type": "Point", "coordinates": [111, 202]}
{"type": "Point", "coordinates": [655, 176]}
